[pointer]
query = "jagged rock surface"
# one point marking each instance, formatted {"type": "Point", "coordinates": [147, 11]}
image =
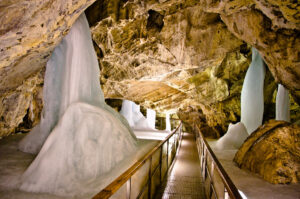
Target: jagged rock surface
{"type": "Point", "coordinates": [170, 55]}
{"type": "Point", "coordinates": [272, 151]}
{"type": "Point", "coordinates": [20, 110]}
{"type": "Point", "coordinates": [271, 26]}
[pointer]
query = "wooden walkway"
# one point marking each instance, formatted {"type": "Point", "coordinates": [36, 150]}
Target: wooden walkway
{"type": "Point", "coordinates": [184, 179]}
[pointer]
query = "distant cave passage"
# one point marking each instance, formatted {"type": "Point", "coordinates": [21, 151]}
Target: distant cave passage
{"type": "Point", "coordinates": [155, 21]}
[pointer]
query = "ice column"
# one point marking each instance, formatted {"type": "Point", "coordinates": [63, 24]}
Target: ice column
{"type": "Point", "coordinates": [140, 121]}
{"type": "Point", "coordinates": [168, 125]}
{"type": "Point", "coordinates": [126, 111]}
{"type": "Point", "coordinates": [282, 104]}
{"type": "Point", "coordinates": [84, 137]}
{"type": "Point", "coordinates": [252, 97]}
{"type": "Point", "coordinates": [151, 116]}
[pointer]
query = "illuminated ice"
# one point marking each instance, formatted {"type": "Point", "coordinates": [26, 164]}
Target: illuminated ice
{"type": "Point", "coordinates": [135, 118]}
{"type": "Point", "coordinates": [126, 111]}
{"type": "Point", "coordinates": [282, 104]}
{"type": "Point", "coordinates": [151, 116]}
{"type": "Point", "coordinates": [168, 125]}
{"type": "Point", "coordinates": [234, 138]}
{"type": "Point", "coordinates": [252, 106]}
{"type": "Point", "coordinates": [85, 138]}
{"type": "Point", "coordinates": [252, 97]}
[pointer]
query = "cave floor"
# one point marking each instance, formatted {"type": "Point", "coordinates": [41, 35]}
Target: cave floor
{"type": "Point", "coordinates": [13, 164]}
{"type": "Point", "coordinates": [252, 185]}
{"type": "Point", "coordinates": [184, 179]}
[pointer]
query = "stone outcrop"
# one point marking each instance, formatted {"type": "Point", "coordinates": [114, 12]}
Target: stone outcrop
{"type": "Point", "coordinates": [149, 56]}
{"type": "Point", "coordinates": [20, 110]}
{"type": "Point", "coordinates": [273, 27]}
{"type": "Point", "coordinates": [272, 151]}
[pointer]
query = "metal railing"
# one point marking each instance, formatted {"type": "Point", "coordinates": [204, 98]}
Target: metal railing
{"type": "Point", "coordinates": [217, 182]}
{"type": "Point", "coordinates": [150, 162]}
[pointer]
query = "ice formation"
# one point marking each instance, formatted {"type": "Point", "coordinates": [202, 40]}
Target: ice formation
{"type": "Point", "coordinates": [252, 106]}
{"type": "Point", "coordinates": [135, 118]}
{"type": "Point", "coordinates": [234, 138]}
{"type": "Point", "coordinates": [282, 104]}
{"type": "Point", "coordinates": [252, 97]}
{"type": "Point", "coordinates": [168, 125]}
{"type": "Point", "coordinates": [126, 111]}
{"type": "Point", "coordinates": [85, 138]}
{"type": "Point", "coordinates": [151, 116]}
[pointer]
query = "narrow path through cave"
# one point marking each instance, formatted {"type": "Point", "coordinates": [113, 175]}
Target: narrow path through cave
{"type": "Point", "coordinates": [184, 180]}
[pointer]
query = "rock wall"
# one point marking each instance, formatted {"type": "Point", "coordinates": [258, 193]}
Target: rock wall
{"type": "Point", "coordinates": [20, 109]}
{"type": "Point", "coordinates": [272, 27]}
{"type": "Point", "coordinates": [272, 151]}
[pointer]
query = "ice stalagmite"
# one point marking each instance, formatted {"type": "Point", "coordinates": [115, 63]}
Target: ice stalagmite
{"type": "Point", "coordinates": [252, 106]}
{"type": "Point", "coordinates": [282, 104]}
{"type": "Point", "coordinates": [168, 125]}
{"type": "Point", "coordinates": [140, 121]}
{"type": "Point", "coordinates": [126, 111]}
{"type": "Point", "coordinates": [137, 121]}
{"type": "Point", "coordinates": [85, 138]}
{"type": "Point", "coordinates": [234, 137]}
{"type": "Point", "coordinates": [252, 97]}
{"type": "Point", "coordinates": [151, 116]}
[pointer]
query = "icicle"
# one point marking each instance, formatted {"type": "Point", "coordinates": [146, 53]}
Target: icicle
{"type": "Point", "coordinates": [88, 138]}
{"type": "Point", "coordinates": [252, 97]}
{"type": "Point", "coordinates": [282, 104]}
{"type": "Point", "coordinates": [151, 116]}
{"type": "Point", "coordinates": [168, 125]}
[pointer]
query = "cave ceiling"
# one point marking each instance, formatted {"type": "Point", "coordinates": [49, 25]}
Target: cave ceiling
{"type": "Point", "coordinates": [166, 55]}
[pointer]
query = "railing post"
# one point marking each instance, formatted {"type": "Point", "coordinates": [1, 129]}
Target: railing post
{"type": "Point", "coordinates": [128, 188]}
{"type": "Point", "coordinates": [167, 154]}
{"type": "Point", "coordinates": [160, 162]}
{"type": "Point", "coordinates": [150, 178]}
{"type": "Point", "coordinates": [230, 190]}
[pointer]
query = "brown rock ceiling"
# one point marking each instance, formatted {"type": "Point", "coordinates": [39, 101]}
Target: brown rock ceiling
{"type": "Point", "coordinates": [162, 54]}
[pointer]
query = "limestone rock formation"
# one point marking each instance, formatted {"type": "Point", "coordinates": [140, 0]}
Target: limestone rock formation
{"type": "Point", "coordinates": [149, 56]}
{"type": "Point", "coordinates": [169, 55]}
{"type": "Point", "coordinates": [20, 110]}
{"type": "Point", "coordinates": [272, 151]}
{"type": "Point", "coordinates": [273, 27]}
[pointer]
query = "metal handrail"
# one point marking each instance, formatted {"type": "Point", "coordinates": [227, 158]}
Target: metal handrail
{"type": "Point", "coordinates": [205, 150]}
{"type": "Point", "coordinates": [114, 186]}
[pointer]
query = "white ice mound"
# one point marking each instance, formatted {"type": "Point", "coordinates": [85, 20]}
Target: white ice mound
{"type": "Point", "coordinates": [78, 151]}
{"type": "Point", "coordinates": [85, 138]}
{"type": "Point", "coordinates": [135, 118]}
{"type": "Point", "coordinates": [282, 104]}
{"type": "Point", "coordinates": [252, 97]}
{"type": "Point", "coordinates": [234, 138]}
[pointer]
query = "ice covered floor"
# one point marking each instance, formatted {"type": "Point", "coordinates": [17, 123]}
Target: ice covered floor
{"type": "Point", "coordinates": [253, 186]}
{"type": "Point", "coordinates": [13, 163]}
{"type": "Point", "coordinates": [151, 134]}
